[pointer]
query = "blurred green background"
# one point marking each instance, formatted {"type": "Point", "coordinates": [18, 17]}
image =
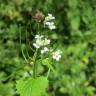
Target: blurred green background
{"type": "Point", "coordinates": [75, 34]}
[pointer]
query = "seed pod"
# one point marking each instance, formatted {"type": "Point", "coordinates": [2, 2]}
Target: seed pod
{"type": "Point", "coordinates": [38, 16]}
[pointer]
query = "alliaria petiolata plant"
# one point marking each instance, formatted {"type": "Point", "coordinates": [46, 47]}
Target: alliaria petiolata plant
{"type": "Point", "coordinates": [34, 84]}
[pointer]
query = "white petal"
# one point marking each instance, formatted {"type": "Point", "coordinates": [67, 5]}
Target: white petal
{"type": "Point", "coordinates": [36, 46]}
{"type": "Point", "coordinates": [57, 55]}
{"type": "Point", "coordinates": [42, 51]}
{"type": "Point", "coordinates": [37, 36]}
{"type": "Point", "coordinates": [52, 27]}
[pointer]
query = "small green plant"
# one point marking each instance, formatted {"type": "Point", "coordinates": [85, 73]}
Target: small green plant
{"type": "Point", "coordinates": [44, 55]}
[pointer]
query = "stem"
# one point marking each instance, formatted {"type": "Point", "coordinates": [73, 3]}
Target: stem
{"type": "Point", "coordinates": [27, 44]}
{"type": "Point", "coordinates": [31, 47]}
{"type": "Point", "coordinates": [21, 47]}
{"type": "Point", "coordinates": [31, 28]}
{"type": "Point", "coordinates": [39, 29]}
{"type": "Point", "coordinates": [48, 72]}
{"type": "Point", "coordinates": [34, 65]}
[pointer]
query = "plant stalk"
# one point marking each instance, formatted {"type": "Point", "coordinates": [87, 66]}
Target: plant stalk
{"type": "Point", "coordinates": [34, 65]}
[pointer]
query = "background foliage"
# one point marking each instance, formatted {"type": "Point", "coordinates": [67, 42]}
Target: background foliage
{"type": "Point", "coordinates": [75, 34]}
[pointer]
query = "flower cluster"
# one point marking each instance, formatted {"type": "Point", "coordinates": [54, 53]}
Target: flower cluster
{"type": "Point", "coordinates": [42, 42]}
{"type": "Point", "coordinates": [57, 55]}
{"type": "Point", "coordinates": [49, 21]}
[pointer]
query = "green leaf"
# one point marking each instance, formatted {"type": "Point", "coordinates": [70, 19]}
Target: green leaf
{"type": "Point", "coordinates": [75, 23]}
{"type": "Point", "coordinates": [73, 3]}
{"type": "Point", "coordinates": [32, 86]}
{"type": "Point", "coordinates": [6, 89]}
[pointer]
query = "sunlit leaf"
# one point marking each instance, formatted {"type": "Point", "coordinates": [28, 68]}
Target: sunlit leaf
{"type": "Point", "coordinates": [32, 87]}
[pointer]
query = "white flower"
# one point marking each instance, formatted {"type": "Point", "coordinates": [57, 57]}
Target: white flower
{"type": "Point", "coordinates": [46, 41]}
{"type": "Point", "coordinates": [57, 55]}
{"type": "Point", "coordinates": [49, 21]}
{"type": "Point", "coordinates": [40, 41]}
{"type": "Point", "coordinates": [38, 36]}
{"type": "Point", "coordinates": [49, 17]}
{"type": "Point", "coordinates": [36, 45]}
{"type": "Point", "coordinates": [51, 25]}
{"type": "Point", "coordinates": [44, 50]}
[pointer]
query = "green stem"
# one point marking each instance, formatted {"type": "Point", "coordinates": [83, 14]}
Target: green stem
{"type": "Point", "coordinates": [30, 46]}
{"type": "Point", "coordinates": [48, 72]}
{"type": "Point", "coordinates": [34, 66]}
{"type": "Point", "coordinates": [21, 47]}
{"type": "Point", "coordinates": [27, 44]}
{"type": "Point", "coordinates": [39, 30]}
